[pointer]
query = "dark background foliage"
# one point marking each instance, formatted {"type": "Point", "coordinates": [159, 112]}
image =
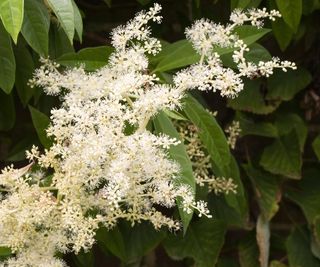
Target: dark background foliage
{"type": "Point", "coordinates": [274, 220]}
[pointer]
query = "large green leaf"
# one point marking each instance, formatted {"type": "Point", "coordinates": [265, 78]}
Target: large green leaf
{"type": "Point", "coordinates": [267, 190]}
{"type": "Point", "coordinates": [176, 55]}
{"type": "Point", "coordinates": [113, 241]}
{"type": "Point", "coordinates": [59, 43]}
{"type": "Point", "coordinates": [84, 259]}
{"type": "Point", "coordinates": [18, 150]}
{"type": "Point", "coordinates": [250, 34]}
{"type": "Point", "coordinates": [41, 123]}
{"type": "Point", "coordinates": [202, 242]}
{"type": "Point", "coordinates": [248, 251]}
{"type": "Point", "coordinates": [242, 4]}
{"type": "Point", "coordinates": [11, 14]}
{"type": "Point", "coordinates": [251, 99]}
{"type": "Point", "coordinates": [250, 127]}
{"type": "Point", "coordinates": [223, 211]}
{"type": "Point", "coordinates": [283, 156]}
{"type": "Point", "coordinates": [286, 122]}
{"type": "Point", "coordinates": [63, 9]}
{"type": "Point", "coordinates": [35, 27]}
{"type": "Point", "coordinates": [307, 194]}
{"type": "Point", "coordinates": [130, 243]}
{"type": "Point", "coordinates": [91, 58]}
{"type": "Point", "coordinates": [291, 12]}
{"type": "Point", "coordinates": [239, 4]}
{"type": "Point", "coordinates": [77, 20]}
{"type": "Point", "coordinates": [299, 251]}
{"type": "Point", "coordinates": [140, 239]}
{"type": "Point", "coordinates": [7, 62]}
{"type": "Point", "coordinates": [285, 85]}
{"type": "Point", "coordinates": [7, 112]}
{"type": "Point", "coordinates": [210, 133]}
{"type": "Point", "coordinates": [282, 32]}
{"type": "Point", "coordinates": [178, 153]}
{"type": "Point", "coordinates": [24, 72]}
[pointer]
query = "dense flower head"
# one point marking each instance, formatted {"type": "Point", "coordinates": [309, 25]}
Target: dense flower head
{"type": "Point", "coordinates": [104, 164]}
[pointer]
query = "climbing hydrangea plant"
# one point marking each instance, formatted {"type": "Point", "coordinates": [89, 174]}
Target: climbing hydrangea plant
{"type": "Point", "coordinates": [106, 163]}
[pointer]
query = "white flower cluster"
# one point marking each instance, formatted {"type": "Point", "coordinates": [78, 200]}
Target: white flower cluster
{"type": "Point", "coordinates": [206, 36]}
{"type": "Point", "coordinates": [104, 164]}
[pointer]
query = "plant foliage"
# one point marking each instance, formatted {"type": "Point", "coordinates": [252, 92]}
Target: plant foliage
{"type": "Point", "coordinates": [274, 218]}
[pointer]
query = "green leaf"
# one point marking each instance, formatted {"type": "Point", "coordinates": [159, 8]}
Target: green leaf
{"type": "Point", "coordinates": [173, 114]}
{"type": "Point", "coordinates": [178, 153]}
{"type": "Point", "coordinates": [140, 240]}
{"type": "Point", "coordinates": [250, 99]}
{"type": "Point", "coordinates": [77, 20]}
{"type": "Point", "coordinates": [257, 53]}
{"type": "Point", "coordinates": [210, 133]}
{"type": "Point", "coordinates": [41, 123]}
{"type": "Point", "coordinates": [282, 32]}
{"type": "Point", "coordinates": [35, 27]}
{"type": "Point", "coordinates": [242, 4]}
{"type": "Point", "coordinates": [285, 85]}
{"type": "Point", "coordinates": [63, 9]}
{"type": "Point", "coordinates": [113, 241]}
{"type": "Point", "coordinates": [250, 127]}
{"type": "Point", "coordinates": [266, 189]}
{"type": "Point", "coordinates": [4, 251]}
{"type": "Point", "coordinates": [291, 12]}
{"type": "Point", "coordinates": [18, 151]}
{"type": "Point", "coordinates": [7, 62]}
{"type": "Point", "coordinates": [7, 112]}
{"type": "Point", "coordinates": [248, 251]}
{"type": "Point", "coordinates": [176, 55]}
{"type": "Point", "coordinates": [130, 243]}
{"type": "Point", "coordinates": [298, 247]}
{"type": "Point", "coordinates": [225, 212]}
{"type": "Point", "coordinates": [59, 43]}
{"type": "Point", "coordinates": [316, 146]}
{"type": "Point", "coordinates": [283, 156]}
{"type": "Point", "coordinates": [24, 72]}
{"type": "Point", "coordinates": [11, 14]}
{"type": "Point", "coordinates": [84, 259]}
{"type": "Point", "coordinates": [307, 194]}
{"type": "Point", "coordinates": [250, 34]}
{"type": "Point", "coordinates": [286, 122]}
{"type": "Point", "coordinates": [202, 242]}
{"type": "Point", "coordinates": [92, 58]}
